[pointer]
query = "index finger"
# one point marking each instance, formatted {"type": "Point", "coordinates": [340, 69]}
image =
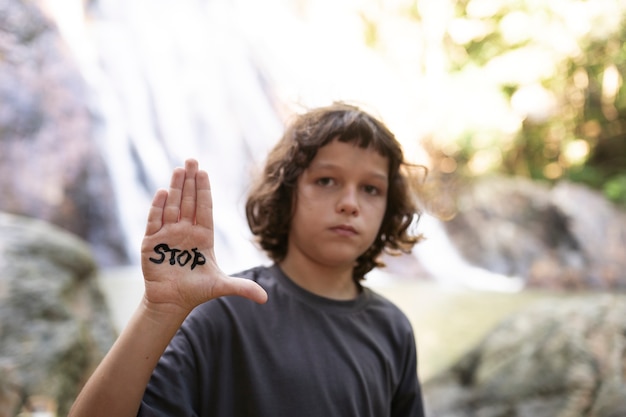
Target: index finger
{"type": "Point", "coordinates": [171, 211]}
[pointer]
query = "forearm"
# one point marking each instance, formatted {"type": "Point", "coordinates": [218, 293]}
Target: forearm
{"type": "Point", "coordinates": [180, 219]}
{"type": "Point", "coordinates": [117, 385]}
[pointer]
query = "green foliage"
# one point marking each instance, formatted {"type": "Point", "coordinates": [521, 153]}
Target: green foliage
{"type": "Point", "coordinates": [582, 136]}
{"type": "Point", "coordinates": [524, 87]}
{"type": "Point", "coordinates": [615, 189]}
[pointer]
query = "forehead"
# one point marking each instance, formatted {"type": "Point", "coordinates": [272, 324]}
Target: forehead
{"type": "Point", "coordinates": [350, 156]}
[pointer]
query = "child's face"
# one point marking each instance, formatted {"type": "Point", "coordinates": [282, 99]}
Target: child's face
{"type": "Point", "coordinates": [341, 199]}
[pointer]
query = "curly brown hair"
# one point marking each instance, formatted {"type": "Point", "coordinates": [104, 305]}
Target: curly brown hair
{"type": "Point", "coordinates": [270, 203]}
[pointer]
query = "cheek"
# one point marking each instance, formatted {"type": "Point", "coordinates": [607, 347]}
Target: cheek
{"type": "Point", "coordinates": [373, 217]}
{"type": "Point", "coordinates": [376, 209]}
{"type": "Point", "coordinates": [304, 211]}
{"type": "Point", "coordinates": [307, 200]}
{"type": "Point", "coordinates": [380, 218]}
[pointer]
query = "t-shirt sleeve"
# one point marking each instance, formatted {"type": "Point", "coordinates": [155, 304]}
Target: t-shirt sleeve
{"type": "Point", "coordinates": [407, 400]}
{"type": "Point", "coordinates": [172, 390]}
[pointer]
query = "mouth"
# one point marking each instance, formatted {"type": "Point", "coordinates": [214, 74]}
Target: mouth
{"type": "Point", "coordinates": [344, 230]}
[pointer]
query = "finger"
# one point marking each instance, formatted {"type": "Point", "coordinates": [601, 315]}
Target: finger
{"type": "Point", "coordinates": [204, 203]}
{"type": "Point", "coordinates": [172, 204]}
{"type": "Point", "coordinates": [155, 215]}
{"type": "Point", "coordinates": [241, 287]}
{"type": "Point", "coordinates": [188, 201]}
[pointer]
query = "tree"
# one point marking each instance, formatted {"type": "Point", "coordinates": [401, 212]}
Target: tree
{"type": "Point", "coordinates": [560, 66]}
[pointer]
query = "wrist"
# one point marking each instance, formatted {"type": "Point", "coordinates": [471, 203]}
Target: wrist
{"type": "Point", "coordinates": [162, 315]}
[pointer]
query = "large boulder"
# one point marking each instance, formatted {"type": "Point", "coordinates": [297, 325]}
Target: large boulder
{"type": "Point", "coordinates": [562, 358]}
{"type": "Point", "coordinates": [562, 237]}
{"type": "Point", "coordinates": [54, 323]}
{"type": "Point", "coordinates": [50, 163]}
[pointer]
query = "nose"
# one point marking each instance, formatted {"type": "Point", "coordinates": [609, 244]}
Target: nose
{"type": "Point", "coordinates": [348, 202]}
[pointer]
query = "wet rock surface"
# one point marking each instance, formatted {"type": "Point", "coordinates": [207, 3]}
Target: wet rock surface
{"type": "Point", "coordinates": [558, 358]}
{"type": "Point", "coordinates": [565, 237]}
{"type": "Point", "coordinates": [54, 323]}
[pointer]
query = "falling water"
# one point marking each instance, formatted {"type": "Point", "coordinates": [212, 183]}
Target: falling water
{"type": "Point", "coordinates": [173, 80]}
{"type": "Point", "coordinates": [214, 80]}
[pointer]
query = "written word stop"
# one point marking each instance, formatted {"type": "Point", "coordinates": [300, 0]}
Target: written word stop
{"type": "Point", "coordinates": [180, 257]}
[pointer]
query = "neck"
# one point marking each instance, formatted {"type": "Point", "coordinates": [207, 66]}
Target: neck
{"type": "Point", "coordinates": [334, 283]}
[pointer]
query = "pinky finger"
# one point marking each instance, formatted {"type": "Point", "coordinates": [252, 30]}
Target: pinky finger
{"type": "Point", "coordinates": [155, 216]}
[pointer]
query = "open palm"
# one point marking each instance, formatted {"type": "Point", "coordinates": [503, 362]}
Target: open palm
{"type": "Point", "coordinates": [177, 254]}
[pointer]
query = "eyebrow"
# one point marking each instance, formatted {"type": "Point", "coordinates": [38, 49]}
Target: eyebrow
{"type": "Point", "coordinates": [329, 165]}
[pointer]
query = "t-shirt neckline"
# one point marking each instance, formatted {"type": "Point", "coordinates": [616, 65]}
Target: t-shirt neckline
{"type": "Point", "coordinates": [318, 301]}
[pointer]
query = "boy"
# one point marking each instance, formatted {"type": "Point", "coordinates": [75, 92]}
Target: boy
{"type": "Point", "coordinates": [301, 337]}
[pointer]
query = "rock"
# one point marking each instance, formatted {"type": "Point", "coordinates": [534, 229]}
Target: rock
{"type": "Point", "coordinates": [599, 230]}
{"type": "Point", "coordinates": [10, 393]}
{"type": "Point", "coordinates": [561, 237]}
{"type": "Point", "coordinates": [50, 164]}
{"type": "Point", "coordinates": [565, 358]}
{"type": "Point", "coordinates": [54, 324]}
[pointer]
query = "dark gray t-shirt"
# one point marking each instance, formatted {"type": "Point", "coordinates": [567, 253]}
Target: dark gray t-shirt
{"type": "Point", "coordinates": [297, 355]}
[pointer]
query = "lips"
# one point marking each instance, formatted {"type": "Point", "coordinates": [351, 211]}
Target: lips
{"type": "Point", "coordinates": [344, 230]}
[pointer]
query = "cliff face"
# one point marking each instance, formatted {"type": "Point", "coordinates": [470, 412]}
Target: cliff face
{"type": "Point", "coordinates": [50, 165]}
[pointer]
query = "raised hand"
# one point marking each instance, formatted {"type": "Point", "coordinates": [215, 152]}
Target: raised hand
{"type": "Point", "coordinates": [177, 254]}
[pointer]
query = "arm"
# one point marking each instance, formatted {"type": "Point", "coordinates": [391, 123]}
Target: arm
{"type": "Point", "coordinates": [179, 220]}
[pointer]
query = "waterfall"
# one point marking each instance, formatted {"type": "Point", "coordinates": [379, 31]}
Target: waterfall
{"type": "Point", "coordinates": [439, 256]}
{"type": "Point", "coordinates": [215, 80]}
{"type": "Point", "coordinates": [169, 81]}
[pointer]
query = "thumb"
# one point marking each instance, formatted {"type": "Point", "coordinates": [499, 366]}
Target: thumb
{"type": "Point", "coordinates": [241, 287]}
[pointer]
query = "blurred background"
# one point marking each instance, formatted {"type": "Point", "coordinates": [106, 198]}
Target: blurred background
{"type": "Point", "coordinates": [516, 107]}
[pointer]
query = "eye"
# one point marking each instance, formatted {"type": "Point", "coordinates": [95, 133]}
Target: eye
{"type": "Point", "coordinates": [371, 190]}
{"type": "Point", "coordinates": [325, 181]}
